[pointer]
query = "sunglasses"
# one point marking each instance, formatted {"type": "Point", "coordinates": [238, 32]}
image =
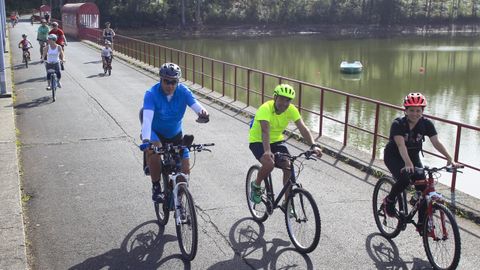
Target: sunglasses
{"type": "Point", "coordinates": [170, 82]}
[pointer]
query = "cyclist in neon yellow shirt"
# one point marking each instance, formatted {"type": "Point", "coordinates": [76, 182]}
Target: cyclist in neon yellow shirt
{"type": "Point", "coordinates": [266, 135]}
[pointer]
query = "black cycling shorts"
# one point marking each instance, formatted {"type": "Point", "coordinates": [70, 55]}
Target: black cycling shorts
{"type": "Point", "coordinates": [257, 148]}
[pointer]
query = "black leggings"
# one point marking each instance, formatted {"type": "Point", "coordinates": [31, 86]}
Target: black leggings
{"type": "Point", "coordinates": [395, 164]}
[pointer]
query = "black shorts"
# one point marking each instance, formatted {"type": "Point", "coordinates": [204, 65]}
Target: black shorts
{"type": "Point", "coordinates": [257, 148]}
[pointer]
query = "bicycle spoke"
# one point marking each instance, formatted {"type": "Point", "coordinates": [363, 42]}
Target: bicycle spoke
{"type": "Point", "coordinates": [442, 239]}
{"type": "Point", "coordinates": [303, 220]}
{"type": "Point", "coordinates": [187, 228]}
{"type": "Point", "coordinates": [388, 226]}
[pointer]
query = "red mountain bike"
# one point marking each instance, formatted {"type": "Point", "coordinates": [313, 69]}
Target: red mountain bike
{"type": "Point", "coordinates": [441, 237]}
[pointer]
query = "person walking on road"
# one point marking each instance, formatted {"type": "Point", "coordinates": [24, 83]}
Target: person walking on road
{"type": "Point", "coordinates": [164, 107]}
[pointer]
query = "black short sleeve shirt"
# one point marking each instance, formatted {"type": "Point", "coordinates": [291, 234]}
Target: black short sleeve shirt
{"type": "Point", "coordinates": [413, 138]}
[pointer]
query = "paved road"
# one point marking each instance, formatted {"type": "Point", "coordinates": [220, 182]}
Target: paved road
{"type": "Point", "coordinates": [90, 205]}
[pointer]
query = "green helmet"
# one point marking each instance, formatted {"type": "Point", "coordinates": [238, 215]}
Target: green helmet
{"type": "Point", "coordinates": [284, 90]}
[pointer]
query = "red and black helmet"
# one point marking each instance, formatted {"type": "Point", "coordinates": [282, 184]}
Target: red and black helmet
{"type": "Point", "coordinates": [415, 100]}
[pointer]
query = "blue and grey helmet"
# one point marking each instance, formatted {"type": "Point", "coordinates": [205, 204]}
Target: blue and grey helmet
{"type": "Point", "coordinates": [170, 70]}
{"type": "Point", "coordinates": [52, 37]}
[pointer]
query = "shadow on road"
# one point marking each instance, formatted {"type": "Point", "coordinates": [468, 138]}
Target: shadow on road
{"type": "Point", "coordinates": [385, 255]}
{"type": "Point", "coordinates": [96, 75]}
{"type": "Point", "coordinates": [142, 248]}
{"type": "Point", "coordinates": [34, 103]}
{"type": "Point", "coordinates": [94, 62]}
{"type": "Point", "coordinates": [253, 251]}
{"type": "Point", "coordinates": [39, 79]}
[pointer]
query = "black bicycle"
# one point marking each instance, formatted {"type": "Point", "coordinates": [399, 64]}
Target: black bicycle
{"type": "Point", "coordinates": [107, 66]}
{"type": "Point", "coordinates": [302, 217]}
{"type": "Point", "coordinates": [441, 237]}
{"type": "Point", "coordinates": [177, 197]}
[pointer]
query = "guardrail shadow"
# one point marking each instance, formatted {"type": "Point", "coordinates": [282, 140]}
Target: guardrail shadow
{"type": "Point", "coordinates": [253, 251]}
{"type": "Point", "coordinates": [384, 252]}
{"type": "Point", "coordinates": [142, 248]}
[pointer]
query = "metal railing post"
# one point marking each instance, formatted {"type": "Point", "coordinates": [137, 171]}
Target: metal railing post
{"type": "Point", "coordinates": [300, 98]}
{"type": "Point", "coordinates": [248, 87]}
{"type": "Point", "coordinates": [455, 157]}
{"type": "Point", "coordinates": [203, 74]}
{"type": "Point", "coordinates": [320, 120]}
{"type": "Point", "coordinates": [3, 84]}
{"type": "Point", "coordinates": [223, 79]}
{"type": "Point", "coordinates": [213, 77]}
{"type": "Point", "coordinates": [375, 131]}
{"type": "Point", "coordinates": [345, 130]}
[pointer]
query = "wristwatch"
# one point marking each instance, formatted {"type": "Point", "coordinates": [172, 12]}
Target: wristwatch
{"type": "Point", "coordinates": [315, 145]}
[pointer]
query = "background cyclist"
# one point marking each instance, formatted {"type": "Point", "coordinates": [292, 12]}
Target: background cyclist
{"type": "Point", "coordinates": [266, 137]}
{"type": "Point", "coordinates": [25, 45]}
{"type": "Point", "coordinates": [42, 34]}
{"type": "Point", "coordinates": [164, 106]}
{"type": "Point", "coordinates": [402, 152]}
{"type": "Point", "coordinates": [108, 33]}
{"type": "Point", "coordinates": [107, 54]}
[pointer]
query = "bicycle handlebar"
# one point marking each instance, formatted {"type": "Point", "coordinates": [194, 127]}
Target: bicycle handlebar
{"type": "Point", "coordinates": [447, 168]}
{"type": "Point", "coordinates": [169, 147]}
{"type": "Point", "coordinates": [308, 155]}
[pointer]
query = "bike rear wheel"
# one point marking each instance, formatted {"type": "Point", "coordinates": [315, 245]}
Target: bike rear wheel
{"type": "Point", "coordinates": [441, 238]}
{"type": "Point", "coordinates": [187, 229]}
{"type": "Point", "coordinates": [388, 226]}
{"type": "Point", "coordinates": [258, 210]}
{"type": "Point", "coordinates": [303, 220]}
{"type": "Point", "coordinates": [162, 210]}
{"type": "Point", "coordinates": [25, 59]}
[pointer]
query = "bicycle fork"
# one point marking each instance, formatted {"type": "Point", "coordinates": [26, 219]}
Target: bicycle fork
{"type": "Point", "coordinates": [176, 203]}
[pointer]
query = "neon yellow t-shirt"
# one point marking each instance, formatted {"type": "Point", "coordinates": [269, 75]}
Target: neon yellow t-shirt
{"type": "Point", "coordinates": [278, 122]}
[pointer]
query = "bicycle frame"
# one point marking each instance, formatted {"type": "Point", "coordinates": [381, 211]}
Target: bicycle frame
{"type": "Point", "coordinates": [170, 155]}
{"type": "Point", "coordinates": [292, 181]}
{"type": "Point", "coordinates": [428, 197]}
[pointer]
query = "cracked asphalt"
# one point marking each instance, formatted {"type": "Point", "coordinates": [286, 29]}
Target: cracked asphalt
{"type": "Point", "coordinates": [90, 204]}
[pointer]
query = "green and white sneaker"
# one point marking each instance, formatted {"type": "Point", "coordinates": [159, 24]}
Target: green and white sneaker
{"type": "Point", "coordinates": [255, 193]}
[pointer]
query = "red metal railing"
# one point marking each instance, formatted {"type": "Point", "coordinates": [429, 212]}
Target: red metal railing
{"type": "Point", "coordinates": [196, 69]}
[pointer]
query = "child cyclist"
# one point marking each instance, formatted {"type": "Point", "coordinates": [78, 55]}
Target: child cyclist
{"type": "Point", "coordinates": [107, 55]}
{"type": "Point", "coordinates": [25, 45]}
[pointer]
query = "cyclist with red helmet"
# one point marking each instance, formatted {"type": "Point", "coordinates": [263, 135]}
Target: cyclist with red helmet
{"type": "Point", "coordinates": [266, 135]}
{"type": "Point", "coordinates": [402, 152]}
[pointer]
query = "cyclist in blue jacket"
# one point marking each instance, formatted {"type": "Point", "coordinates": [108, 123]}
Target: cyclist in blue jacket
{"type": "Point", "coordinates": [164, 107]}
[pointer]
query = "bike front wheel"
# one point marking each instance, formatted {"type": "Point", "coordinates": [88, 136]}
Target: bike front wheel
{"type": "Point", "coordinates": [388, 226]}
{"type": "Point", "coordinates": [258, 210]}
{"type": "Point", "coordinates": [441, 238]}
{"type": "Point", "coordinates": [303, 220]}
{"type": "Point", "coordinates": [162, 209]}
{"type": "Point", "coordinates": [53, 85]}
{"type": "Point", "coordinates": [187, 229]}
